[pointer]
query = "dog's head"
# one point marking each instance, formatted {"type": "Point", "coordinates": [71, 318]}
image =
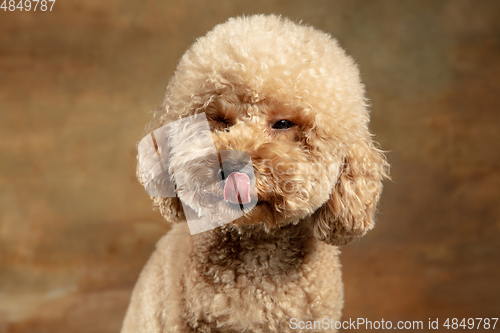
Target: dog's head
{"type": "Point", "coordinates": [289, 97]}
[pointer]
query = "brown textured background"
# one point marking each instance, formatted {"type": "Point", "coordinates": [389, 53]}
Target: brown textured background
{"type": "Point", "coordinates": [76, 85]}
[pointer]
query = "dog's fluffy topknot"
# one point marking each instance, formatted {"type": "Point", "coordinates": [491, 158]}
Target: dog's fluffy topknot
{"type": "Point", "coordinates": [258, 57]}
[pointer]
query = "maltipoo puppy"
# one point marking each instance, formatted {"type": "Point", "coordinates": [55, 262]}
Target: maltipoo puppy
{"type": "Point", "coordinates": [263, 146]}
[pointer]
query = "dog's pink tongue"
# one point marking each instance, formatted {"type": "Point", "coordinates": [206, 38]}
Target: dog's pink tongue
{"type": "Point", "coordinates": [237, 188]}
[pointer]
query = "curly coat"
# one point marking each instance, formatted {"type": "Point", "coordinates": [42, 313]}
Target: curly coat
{"type": "Point", "coordinates": [318, 183]}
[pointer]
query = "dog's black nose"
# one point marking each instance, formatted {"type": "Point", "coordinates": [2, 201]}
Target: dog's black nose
{"type": "Point", "coordinates": [230, 167]}
{"type": "Point", "coordinates": [235, 161]}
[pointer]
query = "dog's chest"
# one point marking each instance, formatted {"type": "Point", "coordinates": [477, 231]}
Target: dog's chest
{"type": "Point", "coordinates": [253, 283]}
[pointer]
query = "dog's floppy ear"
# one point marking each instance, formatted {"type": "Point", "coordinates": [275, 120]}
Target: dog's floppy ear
{"type": "Point", "coordinates": [171, 209]}
{"type": "Point", "coordinates": [152, 172]}
{"type": "Point", "coordinates": [349, 212]}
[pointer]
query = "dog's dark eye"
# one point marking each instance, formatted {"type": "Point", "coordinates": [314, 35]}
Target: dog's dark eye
{"type": "Point", "coordinates": [222, 123]}
{"type": "Point", "coordinates": [283, 124]}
